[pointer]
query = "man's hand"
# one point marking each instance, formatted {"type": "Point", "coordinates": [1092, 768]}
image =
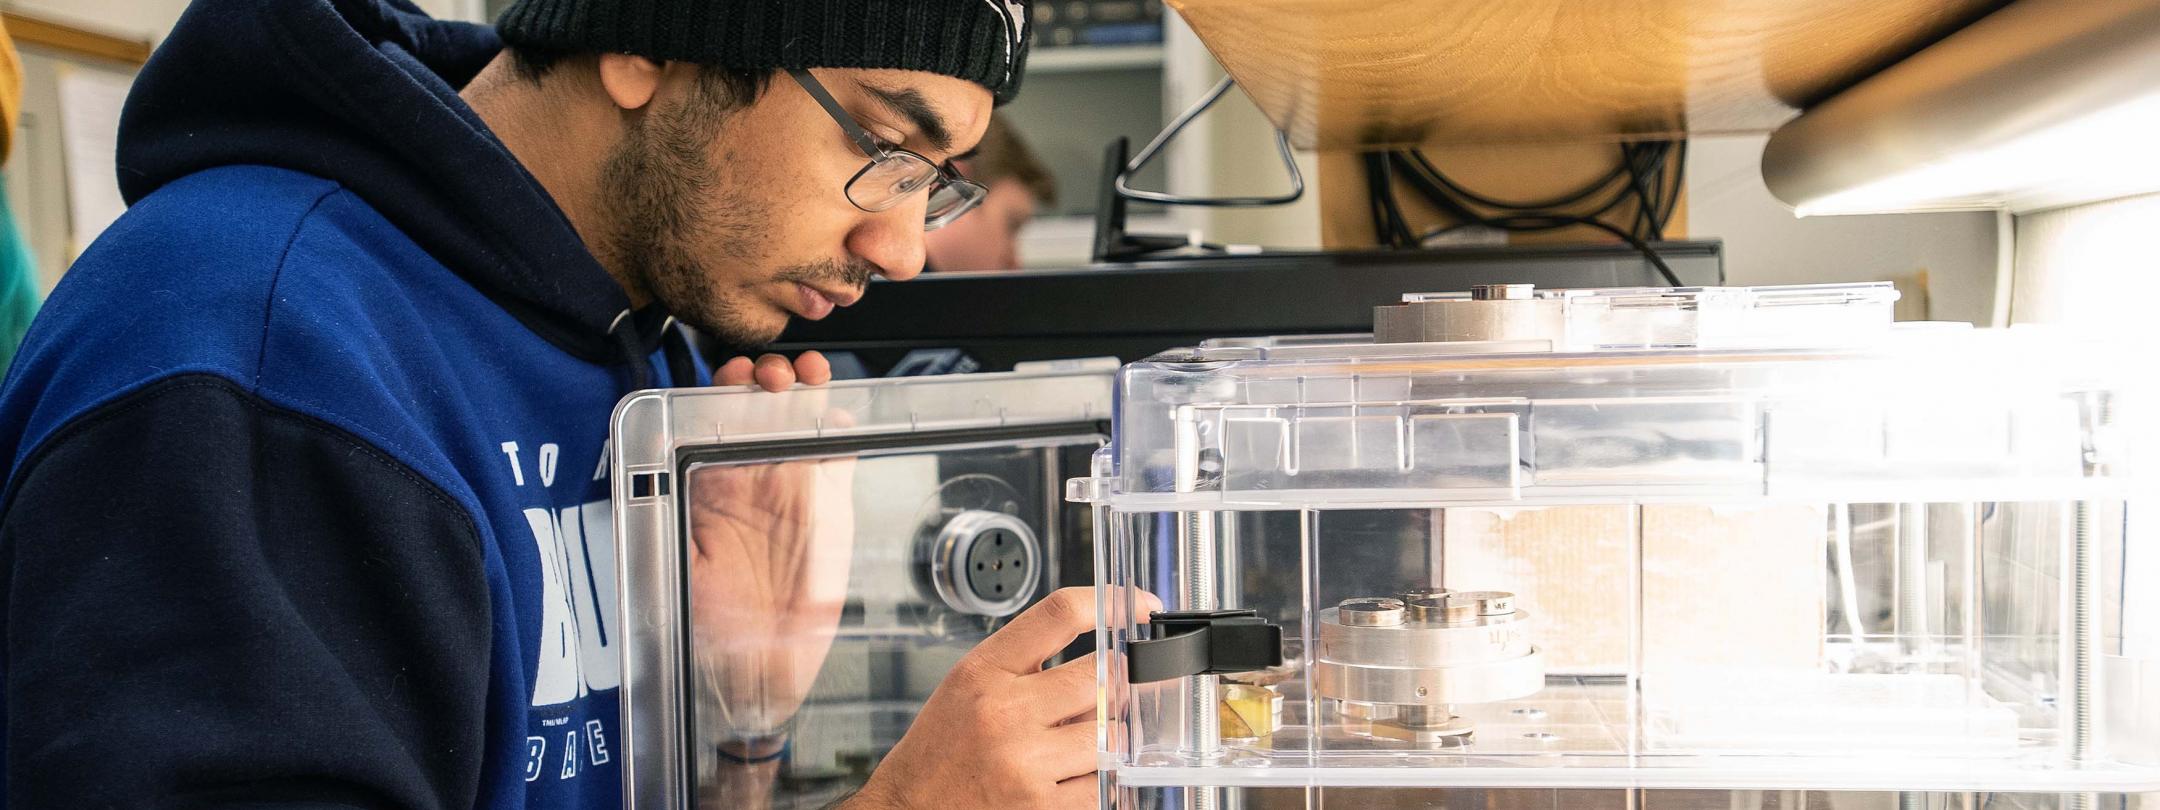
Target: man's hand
{"type": "Point", "coordinates": [773, 372]}
{"type": "Point", "coordinates": [770, 549]}
{"type": "Point", "coordinates": [1000, 731]}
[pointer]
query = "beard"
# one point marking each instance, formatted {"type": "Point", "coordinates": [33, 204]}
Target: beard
{"type": "Point", "coordinates": [689, 238]}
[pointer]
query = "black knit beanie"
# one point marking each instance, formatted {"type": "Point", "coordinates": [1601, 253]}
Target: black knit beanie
{"type": "Point", "coordinates": [982, 41]}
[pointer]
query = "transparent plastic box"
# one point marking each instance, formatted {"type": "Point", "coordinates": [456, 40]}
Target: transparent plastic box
{"type": "Point", "coordinates": [1646, 541]}
{"type": "Point", "coordinates": [798, 571]}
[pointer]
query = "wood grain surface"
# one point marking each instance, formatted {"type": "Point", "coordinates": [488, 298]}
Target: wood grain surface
{"type": "Point", "coordinates": [1338, 74]}
{"type": "Point", "coordinates": [69, 39]}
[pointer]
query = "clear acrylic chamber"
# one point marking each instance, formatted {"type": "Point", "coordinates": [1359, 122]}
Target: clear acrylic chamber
{"type": "Point", "coordinates": [1719, 547]}
{"type": "Point", "coordinates": [798, 571]}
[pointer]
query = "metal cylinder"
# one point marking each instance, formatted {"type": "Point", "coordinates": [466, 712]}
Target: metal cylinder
{"type": "Point", "coordinates": [1423, 644]}
{"type": "Point", "coordinates": [1501, 292]}
{"type": "Point", "coordinates": [2084, 596]}
{"type": "Point", "coordinates": [1456, 611]}
{"type": "Point", "coordinates": [1433, 652]}
{"type": "Point", "coordinates": [1510, 315]}
{"type": "Point", "coordinates": [1485, 603]}
{"type": "Point", "coordinates": [1415, 594]}
{"type": "Point", "coordinates": [1912, 549]}
{"type": "Point", "coordinates": [1426, 715]}
{"type": "Point", "coordinates": [2035, 70]}
{"type": "Point", "coordinates": [1197, 588]}
{"type": "Point", "coordinates": [1197, 572]}
{"type": "Point", "coordinates": [1430, 609]}
{"type": "Point", "coordinates": [1371, 612]}
{"type": "Point", "coordinates": [2084, 631]}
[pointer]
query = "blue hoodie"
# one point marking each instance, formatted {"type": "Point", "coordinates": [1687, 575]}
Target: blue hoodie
{"type": "Point", "coordinates": [307, 500]}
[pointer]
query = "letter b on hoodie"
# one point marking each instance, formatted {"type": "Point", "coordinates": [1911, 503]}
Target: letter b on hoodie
{"type": "Point", "coordinates": [578, 630]}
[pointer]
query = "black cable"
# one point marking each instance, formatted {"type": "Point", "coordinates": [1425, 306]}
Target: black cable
{"type": "Point", "coordinates": [1438, 194]}
{"type": "Point", "coordinates": [1397, 230]}
{"type": "Point", "coordinates": [1147, 153]}
{"type": "Point", "coordinates": [1431, 188]}
{"type": "Point", "coordinates": [1645, 208]}
{"type": "Point", "coordinates": [1645, 224]}
{"type": "Point", "coordinates": [1465, 216]}
{"type": "Point", "coordinates": [1672, 197]}
{"type": "Point", "coordinates": [1383, 235]}
{"type": "Point", "coordinates": [1417, 158]}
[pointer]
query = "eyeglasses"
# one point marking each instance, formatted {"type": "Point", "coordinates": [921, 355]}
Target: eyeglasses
{"type": "Point", "coordinates": [892, 173]}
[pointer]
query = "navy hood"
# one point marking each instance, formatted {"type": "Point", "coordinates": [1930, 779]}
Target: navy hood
{"type": "Point", "coordinates": [364, 93]}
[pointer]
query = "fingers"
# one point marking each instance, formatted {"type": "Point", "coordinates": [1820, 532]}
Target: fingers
{"type": "Point", "coordinates": [1077, 792]}
{"type": "Point", "coordinates": [811, 368]}
{"type": "Point", "coordinates": [1039, 632]}
{"type": "Point", "coordinates": [1063, 691]}
{"type": "Point", "coordinates": [774, 372]}
{"type": "Point", "coordinates": [1068, 752]}
{"type": "Point", "coordinates": [734, 372]}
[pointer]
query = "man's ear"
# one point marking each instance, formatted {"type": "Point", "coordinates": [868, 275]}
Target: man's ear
{"type": "Point", "coordinates": [631, 81]}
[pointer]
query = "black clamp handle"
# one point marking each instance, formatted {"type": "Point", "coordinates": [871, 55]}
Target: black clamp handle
{"type": "Point", "coordinates": [1203, 642]}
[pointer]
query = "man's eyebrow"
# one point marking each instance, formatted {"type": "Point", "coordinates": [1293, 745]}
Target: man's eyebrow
{"type": "Point", "coordinates": [910, 103]}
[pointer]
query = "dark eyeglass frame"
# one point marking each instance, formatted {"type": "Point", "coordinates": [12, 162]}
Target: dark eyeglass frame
{"type": "Point", "coordinates": [951, 194]}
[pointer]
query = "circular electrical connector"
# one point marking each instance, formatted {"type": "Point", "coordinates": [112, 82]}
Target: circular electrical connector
{"type": "Point", "coordinates": [984, 563]}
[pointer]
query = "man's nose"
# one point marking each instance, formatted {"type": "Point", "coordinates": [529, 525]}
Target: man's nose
{"type": "Point", "coordinates": [892, 239]}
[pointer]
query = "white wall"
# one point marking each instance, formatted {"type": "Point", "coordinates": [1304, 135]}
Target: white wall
{"type": "Point", "coordinates": [2092, 265]}
{"type": "Point", "coordinates": [1766, 244]}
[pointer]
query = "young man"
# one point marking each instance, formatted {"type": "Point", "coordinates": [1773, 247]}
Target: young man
{"type": "Point", "coordinates": [989, 238]}
{"type": "Point", "coordinates": [303, 451]}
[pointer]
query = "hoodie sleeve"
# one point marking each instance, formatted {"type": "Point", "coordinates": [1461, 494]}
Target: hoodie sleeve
{"type": "Point", "coordinates": [214, 601]}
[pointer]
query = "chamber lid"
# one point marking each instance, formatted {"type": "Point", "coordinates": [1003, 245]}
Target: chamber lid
{"type": "Point", "coordinates": [1639, 318]}
{"type": "Point", "coordinates": [651, 429]}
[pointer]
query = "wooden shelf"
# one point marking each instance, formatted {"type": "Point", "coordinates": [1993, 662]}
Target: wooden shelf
{"type": "Point", "coordinates": [73, 40]}
{"type": "Point", "coordinates": [1344, 75]}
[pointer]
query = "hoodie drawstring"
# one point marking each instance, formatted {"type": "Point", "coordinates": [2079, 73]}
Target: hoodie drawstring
{"type": "Point", "coordinates": [624, 331]}
{"type": "Point", "coordinates": [681, 362]}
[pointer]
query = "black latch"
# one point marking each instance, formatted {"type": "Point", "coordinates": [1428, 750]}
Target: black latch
{"type": "Point", "coordinates": [1203, 642]}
